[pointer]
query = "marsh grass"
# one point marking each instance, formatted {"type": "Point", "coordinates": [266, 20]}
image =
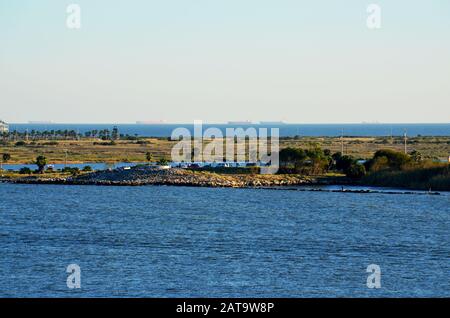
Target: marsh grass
{"type": "Point", "coordinates": [423, 178]}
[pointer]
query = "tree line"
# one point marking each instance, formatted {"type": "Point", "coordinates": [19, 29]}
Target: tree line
{"type": "Point", "coordinates": [314, 161]}
{"type": "Point", "coordinates": [104, 134]}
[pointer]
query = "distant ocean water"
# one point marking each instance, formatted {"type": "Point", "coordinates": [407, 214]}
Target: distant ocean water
{"type": "Point", "coordinates": [286, 130]}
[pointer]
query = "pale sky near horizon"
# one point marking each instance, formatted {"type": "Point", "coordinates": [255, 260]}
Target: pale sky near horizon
{"type": "Point", "coordinates": [228, 60]}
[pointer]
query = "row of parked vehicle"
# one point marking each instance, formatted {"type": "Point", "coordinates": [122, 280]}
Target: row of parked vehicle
{"type": "Point", "coordinates": [194, 165]}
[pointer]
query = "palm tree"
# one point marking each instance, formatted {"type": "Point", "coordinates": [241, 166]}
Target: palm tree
{"type": "Point", "coordinates": [41, 162]}
{"type": "Point", "coordinates": [149, 157]}
{"type": "Point", "coordinates": [5, 158]}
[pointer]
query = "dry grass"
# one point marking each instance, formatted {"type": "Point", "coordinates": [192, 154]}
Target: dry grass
{"type": "Point", "coordinates": [86, 151]}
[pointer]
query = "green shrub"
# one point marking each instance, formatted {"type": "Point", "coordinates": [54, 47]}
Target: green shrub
{"type": "Point", "coordinates": [41, 162]}
{"type": "Point", "coordinates": [387, 158]}
{"type": "Point", "coordinates": [344, 163]}
{"type": "Point", "coordinates": [356, 171]}
{"type": "Point", "coordinates": [110, 143]}
{"type": "Point", "coordinates": [25, 170]}
{"type": "Point", "coordinates": [73, 171]}
{"type": "Point", "coordinates": [163, 162]}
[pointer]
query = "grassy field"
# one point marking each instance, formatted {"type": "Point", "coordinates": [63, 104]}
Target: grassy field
{"type": "Point", "coordinates": [94, 150]}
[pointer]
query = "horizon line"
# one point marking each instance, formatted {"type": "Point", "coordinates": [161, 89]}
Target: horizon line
{"type": "Point", "coordinates": [233, 123]}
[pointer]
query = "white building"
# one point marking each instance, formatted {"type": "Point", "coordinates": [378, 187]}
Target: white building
{"type": "Point", "coordinates": [4, 128]}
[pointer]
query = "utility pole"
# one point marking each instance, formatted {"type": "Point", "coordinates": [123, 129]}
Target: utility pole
{"type": "Point", "coordinates": [406, 141]}
{"type": "Point", "coordinates": [342, 141]}
{"type": "Point", "coordinates": [65, 158]}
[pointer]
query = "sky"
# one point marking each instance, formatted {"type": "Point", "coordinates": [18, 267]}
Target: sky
{"type": "Point", "coordinates": [225, 60]}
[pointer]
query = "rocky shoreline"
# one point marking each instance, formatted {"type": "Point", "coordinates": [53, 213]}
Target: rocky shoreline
{"type": "Point", "coordinates": [146, 175]}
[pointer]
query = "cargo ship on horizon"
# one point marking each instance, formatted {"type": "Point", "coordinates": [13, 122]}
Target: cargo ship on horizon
{"type": "Point", "coordinates": [151, 122]}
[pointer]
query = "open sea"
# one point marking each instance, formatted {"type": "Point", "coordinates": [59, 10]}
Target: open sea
{"type": "Point", "coordinates": [154, 241]}
{"type": "Point", "coordinates": [286, 130]}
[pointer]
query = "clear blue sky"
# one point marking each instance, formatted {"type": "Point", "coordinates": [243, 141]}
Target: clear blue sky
{"type": "Point", "coordinates": [181, 60]}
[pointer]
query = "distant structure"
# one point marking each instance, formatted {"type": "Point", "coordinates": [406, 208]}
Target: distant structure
{"type": "Point", "coordinates": [4, 127]}
{"type": "Point", "coordinates": [405, 136]}
{"type": "Point", "coordinates": [151, 122]}
{"type": "Point", "coordinates": [40, 122]}
{"type": "Point", "coordinates": [272, 123]}
{"type": "Point", "coordinates": [245, 122]}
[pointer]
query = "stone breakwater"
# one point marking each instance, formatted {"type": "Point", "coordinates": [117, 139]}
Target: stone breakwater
{"type": "Point", "coordinates": [176, 177]}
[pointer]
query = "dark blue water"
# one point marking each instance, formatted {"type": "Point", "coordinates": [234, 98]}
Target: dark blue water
{"type": "Point", "coordinates": [176, 241]}
{"type": "Point", "coordinates": [165, 130]}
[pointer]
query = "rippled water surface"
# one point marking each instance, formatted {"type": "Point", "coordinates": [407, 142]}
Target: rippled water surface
{"type": "Point", "coordinates": [201, 242]}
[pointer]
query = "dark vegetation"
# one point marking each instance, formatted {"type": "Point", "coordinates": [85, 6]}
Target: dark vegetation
{"type": "Point", "coordinates": [229, 170]}
{"type": "Point", "coordinates": [386, 168]}
{"type": "Point", "coordinates": [315, 161]}
{"type": "Point", "coordinates": [108, 143]}
{"type": "Point", "coordinates": [394, 169]}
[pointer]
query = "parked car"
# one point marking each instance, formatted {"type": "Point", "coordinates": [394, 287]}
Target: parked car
{"type": "Point", "coordinates": [222, 165]}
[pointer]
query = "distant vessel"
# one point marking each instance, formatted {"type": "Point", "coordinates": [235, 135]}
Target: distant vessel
{"type": "Point", "coordinates": [245, 122]}
{"type": "Point", "coordinates": [371, 122]}
{"type": "Point", "coordinates": [249, 122]}
{"type": "Point", "coordinates": [150, 122]}
{"type": "Point", "coordinates": [272, 123]}
{"type": "Point", "coordinates": [39, 122]}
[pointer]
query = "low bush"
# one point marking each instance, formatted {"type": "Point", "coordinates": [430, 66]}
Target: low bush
{"type": "Point", "coordinates": [110, 143]}
{"type": "Point", "coordinates": [20, 144]}
{"type": "Point", "coordinates": [25, 170]}
{"type": "Point", "coordinates": [73, 171]}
